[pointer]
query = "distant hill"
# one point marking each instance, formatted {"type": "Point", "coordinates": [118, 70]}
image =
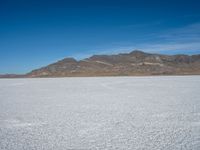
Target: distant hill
{"type": "Point", "coordinates": [126, 64]}
{"type": "Point", "coordinates": [11, 76]}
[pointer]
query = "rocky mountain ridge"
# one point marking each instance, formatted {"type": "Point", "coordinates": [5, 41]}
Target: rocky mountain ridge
{"type": "Point", "coordinates": [124, 64]}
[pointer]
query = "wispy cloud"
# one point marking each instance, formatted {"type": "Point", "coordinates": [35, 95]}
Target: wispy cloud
{"type": "Point", "coordinates": [184, 38]}
{"type": "Point", "coordinates": [170, 47]}
{"type": "Point", "coordinates": [184, 34]}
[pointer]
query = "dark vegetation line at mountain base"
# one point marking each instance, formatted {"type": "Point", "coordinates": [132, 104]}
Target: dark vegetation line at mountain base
{"type": "Point", "coordinates": [135, 63]}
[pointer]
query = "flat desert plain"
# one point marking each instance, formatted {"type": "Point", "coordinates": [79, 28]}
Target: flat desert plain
{"type": "Point", "coordinates": [160, 112]}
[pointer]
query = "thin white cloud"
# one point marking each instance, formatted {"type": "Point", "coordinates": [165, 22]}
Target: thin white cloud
{"type": "Point", "coordinates": [186, 38]}
{"type": "Point", "coordinates": [183, 34]}
{"type": "Point", "coordinates": [170, 46]}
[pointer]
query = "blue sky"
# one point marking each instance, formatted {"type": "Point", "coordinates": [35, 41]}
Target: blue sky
{"type": "Point", "coordinates": [34, 33]}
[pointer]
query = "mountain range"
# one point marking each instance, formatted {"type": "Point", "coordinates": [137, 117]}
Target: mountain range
{"type": "Point", "coordinates": [123, 64]}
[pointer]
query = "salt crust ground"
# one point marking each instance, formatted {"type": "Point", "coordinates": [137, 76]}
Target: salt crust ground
{"type": "Point", "coordinates": [100, 113]}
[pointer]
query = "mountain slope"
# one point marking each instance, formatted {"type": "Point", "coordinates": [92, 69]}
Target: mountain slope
{"type": "Point", "coordinates": [134, 63]}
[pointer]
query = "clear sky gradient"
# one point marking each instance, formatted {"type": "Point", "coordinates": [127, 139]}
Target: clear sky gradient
{"type": "Point", "coordinates": [34, 33]}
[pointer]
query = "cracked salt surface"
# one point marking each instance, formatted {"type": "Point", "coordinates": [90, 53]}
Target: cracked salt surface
{"type": "Point", "coordinates": [100, 113]}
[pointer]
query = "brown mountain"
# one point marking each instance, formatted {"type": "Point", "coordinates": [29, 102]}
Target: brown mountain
{"type": "Point", "coordinates": [127, 64]}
